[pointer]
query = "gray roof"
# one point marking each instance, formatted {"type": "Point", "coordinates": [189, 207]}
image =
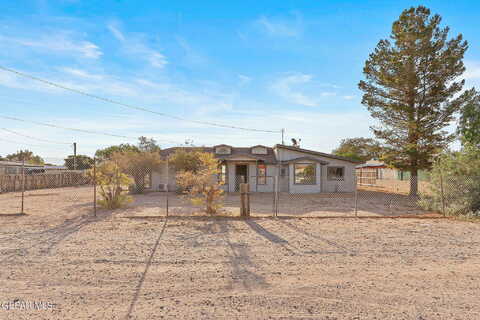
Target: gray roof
{"type": "Point", "coordinates": [316, 153]}
{"type": "Point", "coordinates": [371, 165]}
{"type": "Point", "coordinates": [307, 158]}
{"type": "Point", "coordinates": [18, 164]}
{"type": "Point", "coordinates": [268, 158]}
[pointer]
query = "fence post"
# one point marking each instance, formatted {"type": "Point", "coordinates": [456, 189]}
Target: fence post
{"type": "Point", "coordinates": [443, 193]}
{"type": "Point", "coordinates": [23, 185]}
{"type": "Point", "coordinates": [166, 186]}
{"type": "Point", "coordinates": [95, 186]}
{"type": "Point", "coordinates": [356, 195]}
{"type": "Point", "coordinates": [244, 200]}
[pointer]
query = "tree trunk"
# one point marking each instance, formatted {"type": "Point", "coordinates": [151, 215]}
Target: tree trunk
{"type": "Point", "coordinates": [413, 182]}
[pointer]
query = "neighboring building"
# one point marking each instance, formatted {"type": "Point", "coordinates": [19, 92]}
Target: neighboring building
{"type": "Point", "coordinates": [373, 172]}
{"type": "Point", "coordinates": [296, 170]}
{"type": "Point", "coordinates": [15, 167]}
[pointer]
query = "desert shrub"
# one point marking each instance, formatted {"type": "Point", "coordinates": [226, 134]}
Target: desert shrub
{"type": "Point", "coordinates": [110, 181]}
{"type": "Point", "coordinates": [202, 186]}
{"type": "Point", "coordinates": [137, 165]}
{"type": "Point", "coordinates": [459, 173]}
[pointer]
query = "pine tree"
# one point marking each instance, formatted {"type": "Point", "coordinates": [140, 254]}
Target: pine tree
{"type": "Point", "coordinates": [469, 122]}
{"type": "Point", "coordinates": [412, 85]}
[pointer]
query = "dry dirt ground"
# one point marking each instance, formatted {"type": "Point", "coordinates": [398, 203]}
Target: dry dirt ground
{"type": "Point", "coordinates": [135, 264]}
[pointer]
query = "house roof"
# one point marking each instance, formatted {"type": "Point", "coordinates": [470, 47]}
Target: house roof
{"type": "Point", "coordinates": [309, 159]}
{"type": "Point", "coordinates": [18, 164]}
{"type": "Point", "coordinates": [371, 165]}
{"type": "Point", "coordinates": [316, 153]}
{"type": "Point", "coordinates": [268, 158]}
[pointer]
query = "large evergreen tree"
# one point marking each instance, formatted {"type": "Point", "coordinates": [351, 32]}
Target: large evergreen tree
{"type": "Point", "coordinates": [469, 124]}
{"type": "Point", "coordinates": [412, 85]}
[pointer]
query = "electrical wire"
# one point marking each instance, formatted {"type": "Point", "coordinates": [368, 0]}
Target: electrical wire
{"type": "Point", "coordinates": [22, 143]}
{"type": "Point", "coordinates": [53, 84]}
{"type": "Point", "coordinates": [33, 138]}
{"type": "Point", "coordinates": [80, 130]}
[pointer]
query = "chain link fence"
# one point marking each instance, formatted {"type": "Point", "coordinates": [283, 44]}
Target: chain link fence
{"type": "Point", "coordinates": [148, 192]}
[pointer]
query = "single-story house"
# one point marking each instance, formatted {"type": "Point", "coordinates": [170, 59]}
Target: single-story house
{"type": "Point", "coordinates": [284, 168]}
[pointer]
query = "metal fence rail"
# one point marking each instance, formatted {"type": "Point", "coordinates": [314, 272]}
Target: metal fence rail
{"type": "Point", "coordinates": [453, 194]}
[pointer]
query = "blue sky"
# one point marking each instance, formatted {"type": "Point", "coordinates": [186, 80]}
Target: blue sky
{"type": "Point", "coordinates": [260, 64]}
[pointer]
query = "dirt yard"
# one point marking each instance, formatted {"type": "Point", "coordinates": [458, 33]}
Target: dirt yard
{"type": "Point", "coordinates": [137, 264]}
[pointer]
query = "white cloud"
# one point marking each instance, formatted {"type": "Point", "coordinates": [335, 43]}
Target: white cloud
{"type": "Point", "coordinates": [281, 27]}
{"type": "Point", "coordinates": [60, 42]}
{"type": "Point", "coordinates": [243, 79]}
{"type": "Point", "coordinates": [135, 45]}
{"type": "Point", "coordinates": [284, 87]}
{"type": "Point", "coordinates": [328, 94]}
{"type": "Point", "coordinates": [116, 32]}
{"type": "Point", "coordinates": [347, 97]}
{"type": "Point", "coordinates": [81, 73]}
{"type": "Point", "coordinates": [472, 70]}
{"type": "Point", "coordinates": [191, 56]}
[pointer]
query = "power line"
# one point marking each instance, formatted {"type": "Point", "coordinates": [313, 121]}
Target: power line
{"type": "Point", "coordinates": [34, 138]}
{"type": "Point", "coordinates": [21, 143]}
{"type": "Point", "coordinates": [53, 84]}
{"type": "Point", "coordinates": [79, 130]}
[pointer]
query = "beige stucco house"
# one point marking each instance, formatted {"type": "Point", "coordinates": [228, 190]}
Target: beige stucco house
{"type": "Point", "coordinates": [284, 168]}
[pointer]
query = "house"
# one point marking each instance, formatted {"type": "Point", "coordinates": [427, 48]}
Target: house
{"type": "Point", "coordinates": [284, 168]}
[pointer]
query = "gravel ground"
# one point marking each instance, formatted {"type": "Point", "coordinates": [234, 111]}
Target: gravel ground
{"type": "Point", "coordinates": [144, 266]}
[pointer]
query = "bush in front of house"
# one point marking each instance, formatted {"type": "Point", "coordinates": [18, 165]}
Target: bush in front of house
{"type": "Point", "coordinates": [202, 186]}
{"type": "Point", "coordinates": [110, 182]}
{"type": "Point", "coordinates": [458, 174]}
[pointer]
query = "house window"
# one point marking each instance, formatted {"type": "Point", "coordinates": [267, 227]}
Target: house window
{"type": "Point", "coordinates": [283, 172]}
{"type": "Point", "coordinates": [261, 173]}
{"type": "Point", "coordinates": [222, 177]}
{"type": "Point", "coordinates": [336, 173]}
{"type": "Point", "coordinates": [305, 173]}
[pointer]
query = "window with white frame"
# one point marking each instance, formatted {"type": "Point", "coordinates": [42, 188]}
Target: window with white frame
{"type": "Point", "coordinates": [336, 173]}
{"type": "Point", "coordinates": [222, 177]}
{"type": "Point", "coordinates": [261, 173]}
{"type": "Point", "coordinates": [305, 173]}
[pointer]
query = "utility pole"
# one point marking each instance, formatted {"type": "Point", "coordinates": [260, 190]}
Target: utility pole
{"type": "Point", "coordinates": [74, 156]}
{"type": "Point", "coordinates": [283, 133]}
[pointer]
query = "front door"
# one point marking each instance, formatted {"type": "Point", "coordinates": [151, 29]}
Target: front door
{"type": "Point", "coordinates": [241, 175]}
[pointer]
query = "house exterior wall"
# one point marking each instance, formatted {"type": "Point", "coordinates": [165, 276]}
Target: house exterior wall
{"type": "Point", "coordinates": [305, 188]}
{"type": "Point", "coordinates": [347, 184]}
{"type": "Point", "coordinates": [252, 173]}
{"type": "Point", "coordinates": [324, 185]}
{"type": "Point", "coordinates": [160, 177]}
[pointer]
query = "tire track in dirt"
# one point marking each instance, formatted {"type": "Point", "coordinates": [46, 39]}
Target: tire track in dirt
{"type": "Point", "coordinates": [144, 274]}
{"type": "Point", "coordinates": [322, 240]}
{"type": "Point", "coordinates": [244, 275]}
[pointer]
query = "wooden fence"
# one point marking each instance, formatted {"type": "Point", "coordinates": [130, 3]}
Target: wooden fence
{"type": "Point", "coordinates": [13, 182]}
